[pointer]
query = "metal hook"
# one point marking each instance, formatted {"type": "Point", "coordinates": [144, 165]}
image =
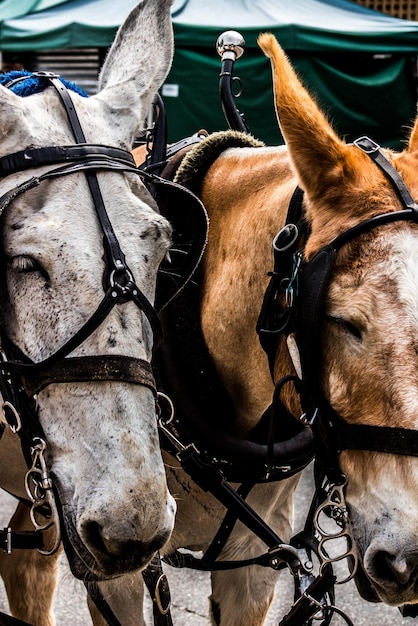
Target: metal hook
{"type": "Point", "coordinates": [38, 484]}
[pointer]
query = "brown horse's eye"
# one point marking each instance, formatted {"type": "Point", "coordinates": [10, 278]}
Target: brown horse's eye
{"type": "Point", "coordinates": [348, 326]}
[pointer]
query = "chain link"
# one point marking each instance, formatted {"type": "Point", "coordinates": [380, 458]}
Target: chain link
{"type": "Point", "coordinates": [334, 507]}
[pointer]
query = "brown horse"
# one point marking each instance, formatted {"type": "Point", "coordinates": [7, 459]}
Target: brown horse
{"type": "Point", "coordinates": [367, 365]}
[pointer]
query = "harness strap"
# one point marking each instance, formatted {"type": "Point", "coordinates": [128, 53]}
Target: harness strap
{"type": "Point", "coordinates": [389, 439]}
{"type": "Point", "coordinates": [274, 318]}
{"type": "Point", "coordinates": [113, 295]}
{"type": "Point", "coordinates": [225, 528]}
{"type": "Point", "coordinates": [7, 620]}
{"type": "Point", "coordinates": [372, 149]}
{"type": "Point", "coordinates": [91, 368]}
{"type": "Point", "coordinates": [211, 479]}
{"type": "Point", "coordinates": [208, 562]}
{"type": "Point", "coordinates": [181, 560]}
{"type": "Point", "coordinates": [53, 155]}
{"type": "Point", "coordinates": [157, 585]}
{"type": "Point", "coordinates": [103, 607]}
{"type": "Point", "coordinates": [20, 540]}
{"type": "Point", "coordinates": [116, 261]}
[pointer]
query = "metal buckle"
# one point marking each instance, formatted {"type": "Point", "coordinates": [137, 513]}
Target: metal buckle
{"type": "Point", "coordinates": [43, 74]}
{"type": "Point", "coordinates": [366, 144]}
{"type": "Point", "coordinates": [7, 540]}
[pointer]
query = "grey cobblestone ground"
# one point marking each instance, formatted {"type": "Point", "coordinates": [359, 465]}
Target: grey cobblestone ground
{"type": "Point", "coordinates": [190, 591]}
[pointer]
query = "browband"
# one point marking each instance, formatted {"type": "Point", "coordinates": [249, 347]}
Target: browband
{"type": "Point", "coordinates": [53, 155]}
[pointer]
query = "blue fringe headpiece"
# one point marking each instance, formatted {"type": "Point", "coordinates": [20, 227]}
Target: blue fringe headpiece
{"type": "Point", "coordinates": [33, 84]}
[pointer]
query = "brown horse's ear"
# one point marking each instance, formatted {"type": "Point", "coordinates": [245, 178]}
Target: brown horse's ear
{"type": "Point", "coordinates": [320, 158]}
{"type": "Point", "coordinates": [413, 139]}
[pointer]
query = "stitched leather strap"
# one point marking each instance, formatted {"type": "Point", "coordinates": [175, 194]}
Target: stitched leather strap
{"type": "Point", "coordinates": [53, 155]}
{"type": "Point", "coordinates": [20, 540]}
{"type": "Point", "coordinates": [94, 368]}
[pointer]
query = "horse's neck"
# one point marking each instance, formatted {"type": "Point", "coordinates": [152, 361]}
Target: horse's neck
{"type": "Point", "coordinates": [246, 193]}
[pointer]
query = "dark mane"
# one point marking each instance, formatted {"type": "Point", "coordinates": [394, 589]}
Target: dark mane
{"type": "Point", "coordinates": [195, 165]}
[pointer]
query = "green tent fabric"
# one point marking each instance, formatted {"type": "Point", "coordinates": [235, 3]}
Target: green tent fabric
{"type": "Point", "coordinates": [314, 25]}
{"type": "Point", "coordinates": [17, 8]}
{"type": "Point", "coordinates": [359, 63]}
{"type": "Point", "coordinates": [49, 24]}
{"type": "Point", "coordinates": [359, 93]}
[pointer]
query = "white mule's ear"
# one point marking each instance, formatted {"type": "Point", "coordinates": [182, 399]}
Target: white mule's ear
{"type": "Point", "coordinates": [138, 63]}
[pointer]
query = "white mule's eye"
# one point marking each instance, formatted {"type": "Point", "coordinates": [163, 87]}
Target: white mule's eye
{"type": "Point", "coordinates": [24, 264]}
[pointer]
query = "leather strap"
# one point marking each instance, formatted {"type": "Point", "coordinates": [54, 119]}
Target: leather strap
{"type": "Point", "coordinates": [53, 155]}
{"type": "Point", "coordinates": [104, 308]}
{"type": "Point", "coordinates": [7, 620]}
{"type": "Point", "coordinates": [103, 607]}
{"type": "Point", "coordinates": [157, 584]}
{"type": "Point", "coordinates": [20, 540]}
{"type": "Point", "coordinates": [91, 368]}
{"type": "Point", "coordinates": [391, 440]}
{"type": "Point", "coordinates": [372, 149]}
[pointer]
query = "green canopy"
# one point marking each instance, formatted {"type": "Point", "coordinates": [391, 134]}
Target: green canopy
{"type": "Point", "coordinates": [359, 63]}
{"type": "Point", "coordinates": [28, 25]}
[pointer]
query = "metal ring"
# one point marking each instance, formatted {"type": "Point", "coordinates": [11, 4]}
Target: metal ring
{"type": "Point", "coordinates": [13, 427]}
{"type": "Point", "coordinates": [161, 590]}
{"type": "Point", "coordinates": [236, 79]}
{"type": "Point", "coordinates": [126, 272]}
{"type": "Point", "coordinates": [170, 404]}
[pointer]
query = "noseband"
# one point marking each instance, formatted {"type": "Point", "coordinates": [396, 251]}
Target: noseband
{"type": "Point", "coordinates": [303, 285]}
{"type": "Point", "coordinates": [21, 378]}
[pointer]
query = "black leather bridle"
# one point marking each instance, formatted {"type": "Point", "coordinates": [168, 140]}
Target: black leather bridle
{"type": "Point", "coordinates": [303, 315]}
{"type": "Point", "coordinates": [21, 378]}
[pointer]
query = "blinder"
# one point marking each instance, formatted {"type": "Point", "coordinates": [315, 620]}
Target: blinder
{"type": "Point", "coordinates": [189, 220]}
